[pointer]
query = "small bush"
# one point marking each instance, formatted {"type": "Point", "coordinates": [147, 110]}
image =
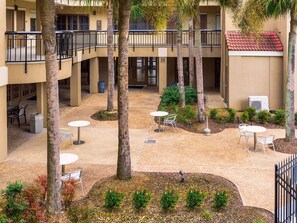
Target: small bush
{"type": "Point", "coordinates": [207, 215]}
{"type": "Point", "coordinates": [252, 112]}
{"type": "Point", "coordinates": [195, 198]}
{"type": "Point", "coordinates": [263, 117]}
{"type": "Point", "coordinates": [80, 214]}
{"type": "Point", "coordinates": [220, 119]}
{"type": "Point", "coordinates": [296, 118]}
{"type": "Point", "coordinates": [68, 192]}
{"type": "Point", "coordinates": [279, 117]}
{"type": "Point", "coordinates": [213, 113]}
{"type": "Point", "coordinates": [190, 94]}
{"type": "Point", "coordinates": [244, 117]}
{"type": "Point", "coordinates": [140, 199]}
{"type": "Point", "coordinates": [168, 200]}
{"type": "Point", "coordinates": [113, 199]}
{"type": "Point", "coordinates": [231, 115]}
{"type": "Point", "coordinates": [220, 199]}
{"type": "Point", "coordinates": [259, 221]}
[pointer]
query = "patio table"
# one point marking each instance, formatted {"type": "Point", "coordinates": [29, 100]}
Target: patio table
{"type": "Point", "coordinates": [158, 114]}
{"type": "Point", "coordinates": [67, 158]}
{"type": "Point", "coordinates": [78, 124]}
{"type": "Point", "coordinates": [255, 129]}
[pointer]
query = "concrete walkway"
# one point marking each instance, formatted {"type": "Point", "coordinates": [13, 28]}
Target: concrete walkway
{"type": "Point", "coordinates": [218, 154]}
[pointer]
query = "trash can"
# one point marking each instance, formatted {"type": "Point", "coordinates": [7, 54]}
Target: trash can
{"type": "Point", "coordinates": [101, 86]}
{"type": "Point", "coordinates": [36, 123]}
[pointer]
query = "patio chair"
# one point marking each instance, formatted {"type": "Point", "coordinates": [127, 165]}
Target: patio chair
{"type": "Point", "coordinates": [65, 133]}
{"type": "Point", "coordinates": [76, 176]}
{"type": "Point", "coordinates": [266, 142]}
{"type": "Point", "coordinates": [246, 135]}
{"type": "Point", "coordinates": [170, 120]}
{"type": "Point", "coordinates": [18, 115]}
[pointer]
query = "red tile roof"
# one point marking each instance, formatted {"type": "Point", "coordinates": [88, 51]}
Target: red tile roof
{"type": "Point", "coordinates": [268, 41]}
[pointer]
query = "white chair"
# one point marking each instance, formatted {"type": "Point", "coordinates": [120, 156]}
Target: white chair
{"type": "Point", "coordinates": [244, 133]}
{"type": "Point", "coordinates": [65, 133]}
{"type": "Point", "coordinates": [170, 120]}
{"type": "Point", "coordinates": [76, 176]}
{"type": "Point", "coordinates": [266, 142]}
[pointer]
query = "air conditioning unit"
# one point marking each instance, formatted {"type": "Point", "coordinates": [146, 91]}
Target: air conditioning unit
{"type": "Point", "coordinates": [259, 102]}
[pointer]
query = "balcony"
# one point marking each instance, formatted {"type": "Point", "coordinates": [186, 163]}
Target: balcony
{"type": "Point", "coordinates": [25, 47]}
{"type": "Point", "coordinates": [78, 3]}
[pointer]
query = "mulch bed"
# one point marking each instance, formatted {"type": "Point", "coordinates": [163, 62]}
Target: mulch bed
{"type": "Point", "coordinates": [104, 115]}
{"type": "Point", "coordinates": [157, 184]}
{"type": "Point", "coordinates": [285, 147]}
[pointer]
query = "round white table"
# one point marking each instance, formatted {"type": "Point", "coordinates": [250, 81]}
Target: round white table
{"type": "Point", "coordinates": [159, 114]}
{"type": "Point", "coordinates": [255, 129]}
{"type": "Point", "coordinates": [67, 158]}
{"type": "Point", "coordinates": [78, 124]}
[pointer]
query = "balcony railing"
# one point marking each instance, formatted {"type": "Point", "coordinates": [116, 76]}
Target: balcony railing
{"type": "Point", "coordinates": [28, 46]}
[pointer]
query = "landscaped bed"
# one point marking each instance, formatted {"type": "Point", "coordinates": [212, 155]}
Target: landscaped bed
{"type": "Point", "coordinates": [92, 208]}
{"type": "Point", "coordinates": [104, 115]}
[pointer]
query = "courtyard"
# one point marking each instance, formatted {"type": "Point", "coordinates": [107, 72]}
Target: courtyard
{"type": "Point", "coordinates": [218, 154]}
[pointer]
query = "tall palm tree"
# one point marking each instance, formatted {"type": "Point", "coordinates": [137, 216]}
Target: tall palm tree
{"type": "Point", "coordinates": [124, 160]}
{"type": "Point", "coordinates": [180, 69]}
{"type": "Point", "coordinates": [254, 13]}
{"type": "Point", "coordinates": [53, 201]}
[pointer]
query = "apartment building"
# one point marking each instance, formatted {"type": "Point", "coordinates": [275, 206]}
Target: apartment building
{"type": "Point", "coordinates": [233, 71]}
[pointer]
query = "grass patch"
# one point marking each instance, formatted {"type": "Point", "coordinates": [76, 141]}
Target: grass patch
{"type": "Point", "coordinates": [104, 115]}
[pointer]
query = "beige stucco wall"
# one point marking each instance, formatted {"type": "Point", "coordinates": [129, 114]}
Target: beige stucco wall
{"type": "Point", "coordinates": [36, 72]}
{"type": "Point", "coordinates": [255, 76]}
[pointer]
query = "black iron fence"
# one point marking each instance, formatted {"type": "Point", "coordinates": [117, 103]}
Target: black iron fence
{"type": "Point", "coordinates": [286, 191]}
{"type": "Point", "coordinates": [28, 46]}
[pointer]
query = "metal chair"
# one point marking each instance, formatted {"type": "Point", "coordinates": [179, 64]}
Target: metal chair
{"type": "Point", "coordinates": [65, 133]}
{"type": "Point", "coordinates": [244, 133]}
{"type": "Point", "coordinates": [18, 115]}
{"type": "Point", "coordinates": [266, 142]}
{"type": "Point", "coordinates": [170, 120]}
{"type": "Point", "coordinates": [76, 176]}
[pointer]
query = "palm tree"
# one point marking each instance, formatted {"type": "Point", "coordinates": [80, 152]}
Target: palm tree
{"type": "Point", "coordinates": [191, 57]}
{"type": "Point", "coordinates": [53, 201]}
{"type": "Point", "coordinates": [180, 69]}
{"type": "Point", "coordinates": [252, 18]}
{"type": "Point", "coordinates": [124, 160]}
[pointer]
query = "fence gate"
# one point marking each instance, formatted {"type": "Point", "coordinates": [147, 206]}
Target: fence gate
{"type": "Point", "coordinates": [286, 191]}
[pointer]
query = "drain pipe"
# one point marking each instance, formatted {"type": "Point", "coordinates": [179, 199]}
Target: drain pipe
{"type": "Point", "coordinates": [206, 130]}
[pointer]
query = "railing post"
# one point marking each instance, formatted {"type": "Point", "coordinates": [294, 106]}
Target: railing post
{"type": "Point", "coordinates": [83, 48]}
{"type": "Point", "coordinates": [211, 40]}
{"type": "Point", "coordinates": [275, 195]}
{"type": "Point", "coordinates": [171, 40]}
{"type": "Point", "coordinates": [26, 46]}
{"type": "Point", "coordinates": [96, 41]}
{"type": "Point", "coordinates": [133, 34]}
{"type": "Point", "coordinates": [153, 42]}
{"type": "Point", "coordinates": [75, 43]}
{"type": "Point", "coordinates": [89, 41]}
{"type": "Point", "coordinates": [60, 53]}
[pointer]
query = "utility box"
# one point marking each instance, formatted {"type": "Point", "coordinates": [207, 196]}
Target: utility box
{"type": "Point", "coordinates": [36, 120]}
{"type": "Point", "coordinates": [101, 86]}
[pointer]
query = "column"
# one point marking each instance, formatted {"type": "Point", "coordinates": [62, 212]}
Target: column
{"type": "Point", "coordinates": [75, 85]}
{"type": "Point", "coordinates": [162, 73]}
{"type": "Point", "coordinates": [94, 75]}
{"type": "Point", "coordinates": [41, 101]}
{"type": "Point", "coordinates": [3, 84]}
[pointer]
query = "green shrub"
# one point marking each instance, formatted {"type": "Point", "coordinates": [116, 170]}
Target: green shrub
{"type": "Point", "coordinates": [189, 112]}
{"type": "Point", "coordinates": [213, 113]}
{"type": "Point", "coordinates": [140, 199]}
{"type": "Point", "coordinates": [171, 95]}
{"type": "Point", "coordinates": [296, 118]}
{"type": "Point", "coordinates": [207, 215]}
{"type": "Point", "coordinates": [279, 117]}
{"type": "Point", "coordinates": [168, 200]}
{"type": "Point", "coordinates": [190, 94]}
{"type": "Point", "coordinates": [195, 198]}
{"type": "Point", "coordinates": [244, 117]}
{"type": "Point", "coordinates": [252, 112]}
{"type": "Point", "coordinates": [263, 117]}
{"type": "Point", "coordinates": [220, 199]}
{"type": "Point", "coordinates": [220, 119]}
{"type": "Point", "coordinates": [80, 214]}
{"type": "Point", "coordinates": [185, 114]}
{"type": "Point", "coordinates": [231, 115]}
{"type": "Point", "coordinates": [113, 199]}
{"type": "Point", "coordinates": [15, 204]}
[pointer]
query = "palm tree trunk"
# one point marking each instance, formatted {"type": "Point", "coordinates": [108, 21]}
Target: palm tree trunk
{"type": "Point", "coordinates": [110, 55]}
{"type": "Point", "coordinates": [53, 202]}
{"type": "Point", "coordinates": [180, 69]}
{"type": "Point", "coordinates": [124, 160]}
{"type": "Point", "coordinates": [191, 57]}
{"type": "Point", "coordinates": [199, 68]}
{"type": "Point", "coordinates": [290, 118]}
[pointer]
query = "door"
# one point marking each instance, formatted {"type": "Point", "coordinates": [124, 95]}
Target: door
{"type": "Point", "coordinates": [171, 31]}
{"type": "Point", "coordinates": [152, 71]}
{"type": "Point", "coordinates": [217, 72]}
{"type": "Point", "coordinates": [203, 27]}
{"type": "Point", "coordinates": [137, 71]}
{"type": "Point", "coordinates": [21, 39]}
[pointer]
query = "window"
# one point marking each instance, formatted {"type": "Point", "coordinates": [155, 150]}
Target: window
{"type": "Point", "coordinates": [61, 22]}
{"type": "Point", "coordinates": [218, 22]}
{"type": "Point", "coordinates": [83, 22]}
{"type": "Point", "coordinates": [72, 22]}
{"type": "Point", "coordinates": [33, 24]}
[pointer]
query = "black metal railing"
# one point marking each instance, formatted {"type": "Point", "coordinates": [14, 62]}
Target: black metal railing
{"type": "Point", "coordinates": [28, 46]}
{"type": "Point", "coordinates": [286, 191]}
